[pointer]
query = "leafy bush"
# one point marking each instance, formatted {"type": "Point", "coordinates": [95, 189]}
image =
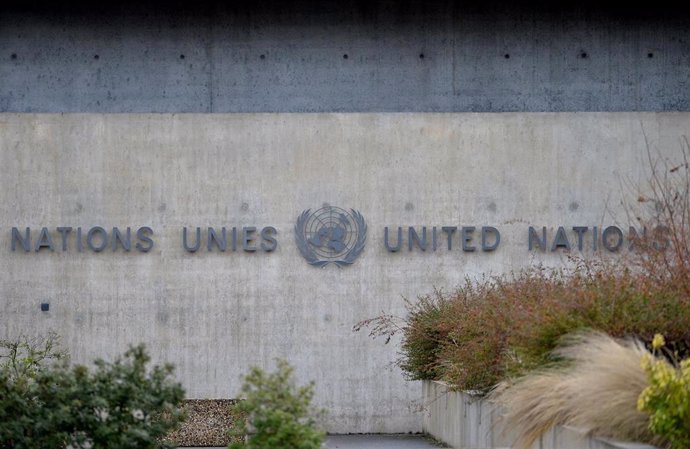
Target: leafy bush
{"type": "Point", "coordinates": [667, 398]}
{"type": "Point", "coordinates": [23, 357]}
{"type": "Point", "coordinates": [118, 405]}
{"type": "Point", "coordinates": [278, 411]}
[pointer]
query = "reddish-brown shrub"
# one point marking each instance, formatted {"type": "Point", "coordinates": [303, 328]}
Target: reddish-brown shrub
{"type": "Point", "coordinates": [507, 326]}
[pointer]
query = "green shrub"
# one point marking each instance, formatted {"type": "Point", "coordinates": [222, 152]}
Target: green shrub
{"type": "Point", "coordinates": [278, 411]}
{"type": "Point", "coordinates": [117, 405]}
{"type": "Point", "coordinates": [667, 398]}
{"type": "Point", "coordinates": [22, 357]}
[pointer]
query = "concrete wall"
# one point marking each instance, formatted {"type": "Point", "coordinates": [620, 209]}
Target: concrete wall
{"type": "Point", "coordinates": [343, 56]}
{"type": "Point", "coordinates": [467, 421]}
{"type": "Point", "coordinates": [214, 314]}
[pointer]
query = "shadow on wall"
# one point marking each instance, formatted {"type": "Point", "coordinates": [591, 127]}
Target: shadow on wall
{"type": "Point", "coordinates": [345, 56]}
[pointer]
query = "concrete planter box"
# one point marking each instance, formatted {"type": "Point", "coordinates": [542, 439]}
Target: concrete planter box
{"type": "Point", "coordinates": [466, 421]}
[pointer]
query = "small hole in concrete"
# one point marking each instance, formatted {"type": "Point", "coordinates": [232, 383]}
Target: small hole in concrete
{"type": "Point", "coordinates": [507, 56]}
{"type": "Point", "coordinates": [345, 56]}
{"type": "Point", "coordinates": [650, 55]}
{"type": "Point", "coordinates": [421, 56]}
{"type": "Point", "coordinates": [583, 55]}
{"type": "Point", "coordinates": [181, 56]}
{"type": "Point", "coordinates": [95, 56]}
{"type": "Point", "coordinates": [262, 56]}
{"type": "Point", "coordinates": [13, 56]}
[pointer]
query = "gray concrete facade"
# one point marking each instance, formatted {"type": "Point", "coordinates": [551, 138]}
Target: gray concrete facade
{"type": "Point", "coordinates": [344, 56]}
{"type": "Point", "coordinates": [213, 314]}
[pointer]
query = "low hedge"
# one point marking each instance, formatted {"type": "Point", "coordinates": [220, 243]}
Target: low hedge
{"type": "Point", "coordinates": [506, 326]}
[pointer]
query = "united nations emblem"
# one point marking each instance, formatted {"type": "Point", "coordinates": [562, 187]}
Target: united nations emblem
{"type": "Point", "coordinates": [330, 235]}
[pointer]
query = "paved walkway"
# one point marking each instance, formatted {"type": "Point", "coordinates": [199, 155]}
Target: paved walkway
{"type": "Point", "coordinates": [380, 442]}
{"type": "Point", "coordinates": [377, 442]}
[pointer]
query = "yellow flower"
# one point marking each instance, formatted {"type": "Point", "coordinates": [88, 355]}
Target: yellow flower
{"type": "Point", "coordinates": [658, 341]}
{"type": "Point", "coordinates": [645, 362]}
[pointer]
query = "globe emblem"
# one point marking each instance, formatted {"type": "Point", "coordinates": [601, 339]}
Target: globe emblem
{"type": "Point", "coordinates": [330, 235]}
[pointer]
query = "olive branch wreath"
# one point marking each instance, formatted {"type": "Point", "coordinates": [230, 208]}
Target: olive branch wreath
{"type": "Point", "coordinates": [311, 256]}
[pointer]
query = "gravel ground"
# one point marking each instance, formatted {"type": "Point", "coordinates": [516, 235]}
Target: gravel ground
{"type": "Point", "coordinates": [207, 424]}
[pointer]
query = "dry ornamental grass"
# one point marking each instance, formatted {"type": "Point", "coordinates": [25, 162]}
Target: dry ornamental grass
{"type": "Point", "coordinates": [596, 391]}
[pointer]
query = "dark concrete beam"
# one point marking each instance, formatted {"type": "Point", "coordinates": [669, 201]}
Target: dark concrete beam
{"type": "Point", "coordinates": [342, 56]}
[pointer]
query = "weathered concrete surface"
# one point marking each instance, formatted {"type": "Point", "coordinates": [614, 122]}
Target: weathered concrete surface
{"type": "Point", "coordinates": [343, 56]}
{"type": "Point", "coordinates": [461, 420]}
{"type": "Point", "coordinates": [215, 314]}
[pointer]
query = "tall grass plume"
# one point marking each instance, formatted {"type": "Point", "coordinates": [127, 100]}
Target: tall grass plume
{"type": "Point", "coordinates": [595, 389]}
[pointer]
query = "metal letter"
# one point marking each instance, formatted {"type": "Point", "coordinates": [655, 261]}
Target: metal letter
{"type": "Point", "coordinates": [618, 235]}
{"type": "Point", "coordinates": [126, 242]}
{"type": "Point", "coordinates": [580, 231]}
{"type": "Point", "coordinates": [270, 243]}
{"type": "Point", "coordinates": [197, 245]}
{"type": "Point", "coordinates": [64, 231]}
{"type": "Point", "coordinates": [146, 242]}
{"type": "Point", "coordinates": [80, 245]}
{"type": "Point", "coordinates": [449, 230]}
{"type": "Point", "coordinates": [246, 238]}
{"type": "Point", "coordinates": [104, 238]}
{"type": "Point", "coordinates": [633, 236]}
{"type": "Point", "coordinates": [466, 238]}
{"type": "Point", "coordinates": [533, 236]}
{"type": "Point", "coordinates": [221, 242]}
{"type": "Point", "coordinates": [44, 240]}
{"type": "Point", "coordinates": [561, 240]}
{"type": "Point", "coordinates": [486, 230]}
{"type": "Point", "coordinates": [412, 236]}
{"type": "Point", "coordinates": [24, 241]}
{"type": "Point", "coordinates": [396, 248]}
